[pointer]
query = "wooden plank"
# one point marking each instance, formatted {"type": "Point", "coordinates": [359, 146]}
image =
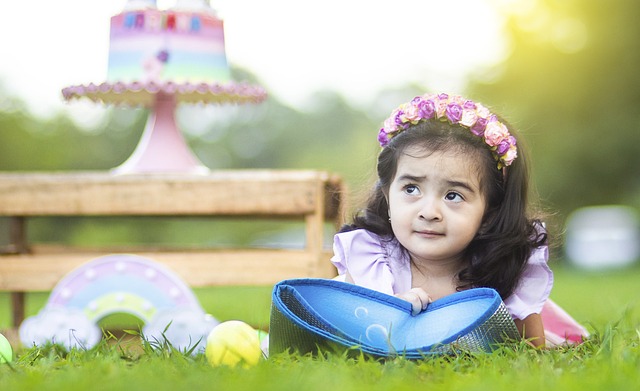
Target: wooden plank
{"type": "Point", "coordinates": [221, 193]}
{"type": "Point", "coordinates": [42, 271]}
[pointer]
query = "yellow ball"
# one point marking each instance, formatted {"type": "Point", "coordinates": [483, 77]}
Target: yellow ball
{"type": "Point", "coordinates": [6, 354]}
{"type": "Point", "coordinates": [233, 343]}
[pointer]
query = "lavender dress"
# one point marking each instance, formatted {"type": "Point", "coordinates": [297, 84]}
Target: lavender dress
{"type": "Point", "coordinates": [384, 266]}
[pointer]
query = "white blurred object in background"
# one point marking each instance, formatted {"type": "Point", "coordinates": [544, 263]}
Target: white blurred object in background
{"type": "Point", "coordinates": [603, 237]}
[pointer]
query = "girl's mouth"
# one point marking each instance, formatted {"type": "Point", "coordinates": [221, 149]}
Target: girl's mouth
{"type": "Point", "coordinates": [430, 234]}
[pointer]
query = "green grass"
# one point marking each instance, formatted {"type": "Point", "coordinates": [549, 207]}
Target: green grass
{"type": "Point", "coordinates": [608, 303]}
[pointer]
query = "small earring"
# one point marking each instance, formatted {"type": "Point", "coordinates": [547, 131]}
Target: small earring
{"type": "Point", "coordinates": [389, 219]}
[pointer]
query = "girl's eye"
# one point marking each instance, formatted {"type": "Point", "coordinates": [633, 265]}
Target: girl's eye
{"type": "Point", "coordinates": [453, 196]}
{"type": "Point", "coordinates": [411, 189]}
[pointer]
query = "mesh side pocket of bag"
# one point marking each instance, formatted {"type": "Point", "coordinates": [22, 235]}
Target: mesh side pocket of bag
{"type": "Point", "coordinates": [498, 328]}
{"type": "Point", "coordinates": [286, 335]}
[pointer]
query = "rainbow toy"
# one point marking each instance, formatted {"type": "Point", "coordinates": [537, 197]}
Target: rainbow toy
{"type": "Point", "coordinates": [120, 283]}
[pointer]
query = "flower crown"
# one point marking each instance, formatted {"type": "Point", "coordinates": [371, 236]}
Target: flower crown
{"type": "Point", "coordinates": [457, 110]}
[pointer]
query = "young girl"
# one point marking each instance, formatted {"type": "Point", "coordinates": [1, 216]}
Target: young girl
{"type": "Point", "coordinates": [449, 212]}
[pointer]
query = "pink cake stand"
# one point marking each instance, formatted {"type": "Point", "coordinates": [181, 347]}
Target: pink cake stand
{"type": "Point", "coordinates": [162, 147]}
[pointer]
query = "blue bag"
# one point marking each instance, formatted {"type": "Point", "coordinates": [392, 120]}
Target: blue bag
{"type": "Point", "coordinates": [308, 315]}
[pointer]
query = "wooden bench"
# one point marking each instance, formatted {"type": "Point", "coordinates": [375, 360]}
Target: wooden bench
{"type": "Point", "coordinates": [312, 197]}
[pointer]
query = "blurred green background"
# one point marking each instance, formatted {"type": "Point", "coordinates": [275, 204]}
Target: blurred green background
{"type": "Point", "coordinates": [570, 84]}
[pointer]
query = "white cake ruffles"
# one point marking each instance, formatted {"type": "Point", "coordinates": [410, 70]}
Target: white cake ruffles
{"type": "Point", "coordinates": [144, 94]}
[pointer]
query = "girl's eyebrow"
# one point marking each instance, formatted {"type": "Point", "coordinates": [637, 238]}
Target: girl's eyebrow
{"type": "Point", "coordinates": [462, 184]}
{"type": "Point", "coordinates": [451, 183]}
{"type": "Point", "coordinates": [411, 178]}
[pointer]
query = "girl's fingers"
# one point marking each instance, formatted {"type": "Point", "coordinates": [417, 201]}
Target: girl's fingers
{"type": "Point", "coordinates": [424, 297]}
{"type": "Point", "coordinates": [418, 298]}
{"type": "Point", "coordinates": [416, 303]}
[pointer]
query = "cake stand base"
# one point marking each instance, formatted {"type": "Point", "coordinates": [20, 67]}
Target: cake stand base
{"type": "Point", "coordinates": [162, 147]}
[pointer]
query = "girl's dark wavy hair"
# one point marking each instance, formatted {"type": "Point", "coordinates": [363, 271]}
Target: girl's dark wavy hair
{"type": "Point", "coordinates": [498, 254]}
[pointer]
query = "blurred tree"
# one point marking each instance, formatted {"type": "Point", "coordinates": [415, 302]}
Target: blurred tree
{"type": "Point", "coordinates": [572, 86]}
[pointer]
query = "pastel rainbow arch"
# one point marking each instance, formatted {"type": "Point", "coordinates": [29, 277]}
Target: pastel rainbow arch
{"type": "Point", "coordinates": [119, 283]}
{"type": "Point", "coordinates": [122, 283]}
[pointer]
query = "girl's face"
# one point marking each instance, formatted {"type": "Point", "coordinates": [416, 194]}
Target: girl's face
{"type": "Point", "coordinates": [436, 204]}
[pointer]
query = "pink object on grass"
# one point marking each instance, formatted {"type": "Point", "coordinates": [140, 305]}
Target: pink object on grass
{"type": "Point", "coordinates": [559, 327]}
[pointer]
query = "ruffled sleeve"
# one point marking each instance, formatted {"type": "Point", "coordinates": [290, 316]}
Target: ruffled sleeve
{"type": "Point", "coordinates": [534, 287]}
{"type": "Point", "coordinates": [369, 262]}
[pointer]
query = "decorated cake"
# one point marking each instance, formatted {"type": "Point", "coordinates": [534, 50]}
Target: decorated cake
{"type": "Point", "coordinates": [183, 44]}
{"type": "Point", "coordinates": [159, 59]}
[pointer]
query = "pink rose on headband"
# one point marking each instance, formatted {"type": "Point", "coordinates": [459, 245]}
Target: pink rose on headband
{"type": "Point", "coordinates": [457, 99]}
{"type": "Point", "coordinates": [394, 122]}
{"type": "Point", "coordinates": [440, 103]}
{"type": "Point", "coordinates": [431, 97]}
{"type": "Point", "coordinates": [412, 113]}
{"type": "Point", "coordinates": [495, 132]}
{"type": "Point", "coordinates": [510, 155]}
{"type": "Point", "coordinates": [469, 118]}
{"type": "Point", "coordinates": [390, 124]}
{"type": "Point", "coordinates": [482, 111]}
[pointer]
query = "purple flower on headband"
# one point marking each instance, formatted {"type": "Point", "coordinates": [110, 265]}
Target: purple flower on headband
{"type": "Point", "coordinates": [469, 105]}
{"type": "Point", "coordinates": [426, 109]}
{"type": "Point", "coordinates": [383, 139]}
{"type": "Point", "coordinates": [503, 147]}
{"type": "Point", "coordinates": [398, 119]}
{"type": "Point", "coordinates": [506, 144]}
{"type": "Point", "coordinates": [454, 113]}
{"type": "Point", "coordinates": [479, 127]}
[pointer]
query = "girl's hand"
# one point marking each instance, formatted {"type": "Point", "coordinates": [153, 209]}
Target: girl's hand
{"type": "Point", "coordinates": [418, 298]}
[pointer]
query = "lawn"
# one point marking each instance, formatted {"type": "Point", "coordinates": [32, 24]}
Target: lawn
{"type": "Point", "coordinates": [607, 302]}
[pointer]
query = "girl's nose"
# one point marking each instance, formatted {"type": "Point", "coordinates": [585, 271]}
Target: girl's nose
{"type": "Point", "coordinates": [431, 210]}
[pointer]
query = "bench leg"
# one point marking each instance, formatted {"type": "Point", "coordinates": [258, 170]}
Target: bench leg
{"type": "Point", "coordinates": [18, 239]}
{"type": "Point", "coordinates": [17, 308]}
